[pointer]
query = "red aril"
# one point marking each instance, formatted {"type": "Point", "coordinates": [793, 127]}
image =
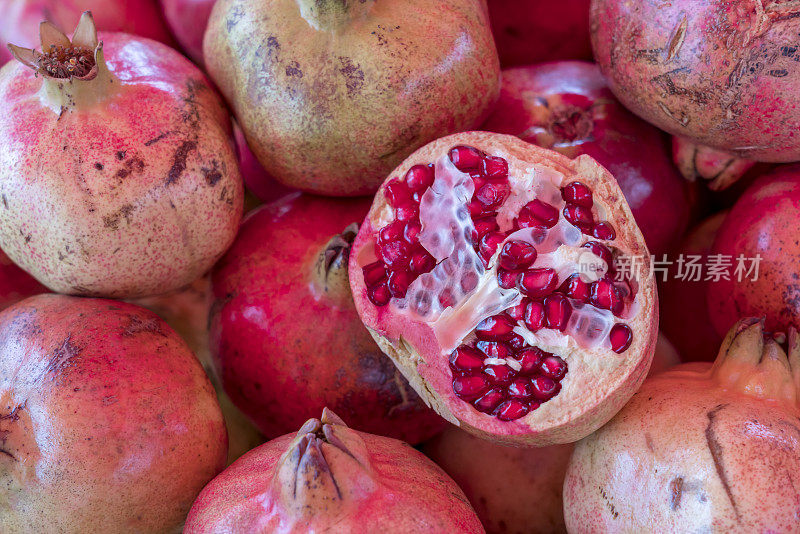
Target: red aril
{"type": "Point", "coordinates": [567, 106]}
{"type": "Point", "coordinates": [522, 308]}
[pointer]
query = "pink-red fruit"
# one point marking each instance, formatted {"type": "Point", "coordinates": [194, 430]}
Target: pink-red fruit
{"type": "Point", "coordinates": [107, 421]}
{"type": "Point", "coordinates": [330, 478]}
{"type": "Point", "coordinates": [101, 195]}
{"type": "Point", "coordinates": [333, 94]}
{"type": "Point", "coordinates": [699, 448]}
{"type": "Point", "coordinates": [188, 20]}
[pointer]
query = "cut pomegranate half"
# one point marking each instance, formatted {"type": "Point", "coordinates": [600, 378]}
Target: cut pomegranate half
{"type": "Point", "coordinates": [529, 337]}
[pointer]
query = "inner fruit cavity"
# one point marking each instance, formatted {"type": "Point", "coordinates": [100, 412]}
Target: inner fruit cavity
{"type": "Point", "coordinates": [498, 268]}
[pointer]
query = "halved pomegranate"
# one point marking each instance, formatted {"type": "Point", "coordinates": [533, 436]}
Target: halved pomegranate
{"type": "Point", "coordinates": [511, 286]}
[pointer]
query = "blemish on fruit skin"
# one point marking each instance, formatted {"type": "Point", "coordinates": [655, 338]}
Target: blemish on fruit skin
{"type": "Point", "coordinates": [715, 448]}
{"type": "Point", "coordinates": [676, 492]}
{"type": "Point", "coordinates": [179, 161]}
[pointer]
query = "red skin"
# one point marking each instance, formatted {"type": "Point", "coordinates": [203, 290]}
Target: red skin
{"type": "Point", "coordinates": [19, 19]}
{"type": "Point", "coordinates": [583, 117]}
{"type": "Point", "coordinates": [115, 426]}
{"type": "Point", "coordinates": [281, 359]}
{"type": "Point", "coordinates": [531, 31]}
{"type": "Point", "coordinates": [257, 180]}
{"type": "Point", "coordinates": [188, 20]}
{"type": "Point", "coordinates": [763, 222]}
{"type": "Point", "coordinates": [684, 315]}
{"type": "Point", "coordinates": [15, 284]}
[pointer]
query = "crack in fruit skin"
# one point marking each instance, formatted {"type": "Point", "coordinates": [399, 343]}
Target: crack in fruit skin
{"type": "Point", "coordinates": [490, 374]}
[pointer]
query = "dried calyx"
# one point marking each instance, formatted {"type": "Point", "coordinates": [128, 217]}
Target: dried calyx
{"type": "Point", "coordinates": [330, 270]}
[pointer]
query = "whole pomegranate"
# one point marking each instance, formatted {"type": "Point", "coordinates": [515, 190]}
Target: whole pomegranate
{"type": "Point", "coordinates": [188, 20]}
{"type": "Point", "coordinates": [330, 478]}
{"type": "Point", "coordinates": [762, 224]}
{"type": "Point", "coordinates": [15, 284]}
{"type": "Point", "coordinates": [531, 31]}
{"type": "Point", "coordinates": [722, 75]}
{"type": "Point", "coordinates": [107, 421]}
{"type": "Point", "coordinates": [101, 195]}
{"type": "Point", "coordinates": [19, 19]}
{"type": "Point", "coordinates": [285, 335]}
{"type": "Point", "coordinates": [699, 448]}
{"type": "Point", "coordinates": [186, 311]}
{"type": "Point", "coordinates": [511, 286]}
{"type": "Point", "coordinates": [502, 482]}
{"type": "Point", "coordinates": [685, 316]}
{"type": "Point", "coordinates": [333, 94]}
{"type": "Point", "coordinates": [567, 106]}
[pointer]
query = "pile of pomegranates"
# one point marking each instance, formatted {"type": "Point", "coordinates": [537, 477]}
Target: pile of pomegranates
{"type": "Point", "coordinates": [417, 266]}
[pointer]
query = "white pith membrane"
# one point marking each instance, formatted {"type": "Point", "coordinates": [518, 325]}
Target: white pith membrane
{"type": "Point", "coordinates": [459, 272]}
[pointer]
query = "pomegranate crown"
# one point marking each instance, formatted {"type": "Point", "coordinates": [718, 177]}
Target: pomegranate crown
{"type": "Point", "coordinates": [753, 362]}
{"type": "Point", "coordinates": [61, 57]}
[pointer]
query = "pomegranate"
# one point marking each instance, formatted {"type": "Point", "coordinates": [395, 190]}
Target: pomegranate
{"type": "Point", "coordinates": [330, 478]}
{"type": "Point", "coordinates": [19, 19]}
{"type": "Point", "coordinates": [186, 310]}
{"type": "Point", "coordinates": [188, 20]}
{"type": "Point", "coordinates": [567, 106]}
{"type": "Point", "coordinates": [761, 224]}
{"type": "Point", "coordinates": [685, 317]}
{"type": "Point", "coordinates": [494, 274]}
{"type": "Point", "coordinates": [531, 31]}
{"type": "Point", "coordinates": [15, 284]}
{"type": "Point", "coordinates": [700, 448]}
{"type": "Point", "coordinates": [333, 94]}
{"type": "Point", "coordinates": [722, 76]}
{"type": "Point", "coordinates": [102, 196]}
{"type": "Point", "coordinates": [107, 421]}
{"type": "Point", "coordinates": [502, 482]}
{"type": "Point", "coordinates": [285, 335]}
{"type": "Point", "coordinates": [257, 181]}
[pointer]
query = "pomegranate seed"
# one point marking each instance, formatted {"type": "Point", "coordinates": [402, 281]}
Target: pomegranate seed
{"type": "Point", "coordinates": [517, 313]}
{"type": "Point", "coordinates": [557, 311]}
{"type": "Point", "coordinates": [395, 254]}
{"type": "Point", "coordinates": [488, 245]}
{"type": "Point", "coordinates": [606, 296]}
{"type": "Point", "coordinates": [476, 209]}
{"type": "Point", "coordinates": [535, 315]}
{"type": "Point", "coordinates": [489, 401]}
{"type": "Point", "coordinates": [484, 225]}
{"type": "Point", "coordinates": [469, 281]}
{"type": "Point", "coordinates": [539, 214]}
{"type": "Point", "coordinates": [411, 231]}
{"type": "Point", "coordinates": [407, 212]}
{"type": "Point", "coordinates": [465, 158]}
{"type": "Point", "coordinates": [466, 358]}
{"type": "Point", "coordinates": [579, 216]}
{"type": "Point", "coordinates": [601, 251]}
{"type": "Point", "coordinates": [507, 279]}
{"type": "Point", "coordinates": [379, 294]}
{"type": "Point", "coordinates": [495, 168]}
{"type": "Point", "coordinates": [538, 282]}
{"type": "Point", "coordinates": [495, 328]}
{"type": "Point", "coordinates": [399, 281]}
{"type": "Point", "coordinates": [516, 342]}
{"type": "Point", "coordinates": [421, 261]}
{"type": "Point", "coordinates": [516, 255]}
{"type": "Point", "coordinates": [374, 273]}
{"type": "Point", "coordinates": [575, 288]}
{"type": "Point", "coordinates": [495, 349]}
{"type": "Point", "coordinates": [520, 388]}
{"type": "Point", "coordinates": [397, 192]}
{"type": "Point", "coordinates": [604, 230]}
{"type": "Point", "coordinates": [420, 177]}
{"type": "Point", "coordinates": [446, 298]}
{"type": "Point", "coordinates": [512, 409]}
{"type": "Point", "coordinates": [391, 232]}
{"type": "Point", "coordinates": [499, 374]}
{"type": "Point", "coordinates": [492, 195]}
{"type": "Point", "coordinates": [577, 193]}
{"type": "Point", "coordinates": [620, 337]}
{"type": "Point", "coordinates": [545, 388]}
{"type": "Point", "coordinates": [469, 387]}
{"type": "Point", "coordinates": [530, 359]}
{"type": "Point", "coordinates": [554, 367]}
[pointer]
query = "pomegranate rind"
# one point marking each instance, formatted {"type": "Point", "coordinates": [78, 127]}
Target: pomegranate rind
{"type": "Point", "coordinates": [591, 393]}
